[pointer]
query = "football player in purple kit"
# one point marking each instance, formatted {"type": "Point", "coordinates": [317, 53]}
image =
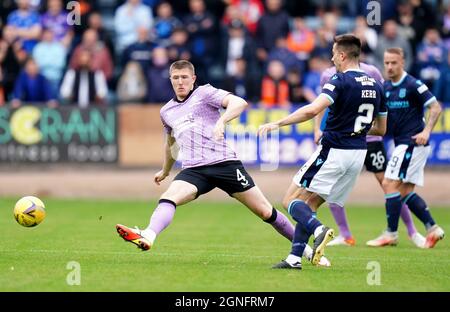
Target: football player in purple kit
{"type": "Point", "coordinates": [195, 126]}
{"type": "Point", "coordinates": [375, 162]}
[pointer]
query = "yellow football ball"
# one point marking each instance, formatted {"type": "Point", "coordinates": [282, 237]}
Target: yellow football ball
{"type": "Point", "coordinates": [29, 211]}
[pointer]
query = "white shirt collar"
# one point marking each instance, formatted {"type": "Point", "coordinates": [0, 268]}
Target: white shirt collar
{"type": "Point", "coordinates": [354, 69]}
{"type": "Point", "coordinates": [401, 79]}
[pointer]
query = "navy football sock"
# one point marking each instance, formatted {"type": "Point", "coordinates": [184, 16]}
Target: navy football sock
{"type": "Point", "coordinates": [393, 209]}
{"type": "Point", "coordinates": [300, 240]}
{"type": "Point", "coordinates": [301, 213]}
{"type": "Point", "coordinates": [418, 206]}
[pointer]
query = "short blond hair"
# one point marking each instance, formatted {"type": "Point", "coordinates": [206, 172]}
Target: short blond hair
{"type": "Point", "coordinates": [398, 51]}
{"type": "Point", "coordinates": [181, 64]}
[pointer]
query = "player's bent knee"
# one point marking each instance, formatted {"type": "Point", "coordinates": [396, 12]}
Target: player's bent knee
{"type": "Point", "coordinates": [286, 201]}
{"type": "Point", "coordinates": [262, 209]}
{"type": "Point", "coordinates": [266, 213]}
{"type": "Point", "coordinates": [406, 188]}
{"type": "Point", "coordinates": [390, 186]}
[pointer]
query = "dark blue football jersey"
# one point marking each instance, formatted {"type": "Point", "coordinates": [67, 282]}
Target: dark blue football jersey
{"type": "Point", "coordinates": [405, 101]}
{"type": "Point", "coordinates": [357, 99]}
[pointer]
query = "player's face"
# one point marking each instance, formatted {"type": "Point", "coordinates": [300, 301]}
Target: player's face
{"type": "Point", "coordinates": [337, 58]}
{"type": "Point", "coordinates": [182, 82]}
{"type": "Point", "coordinates": [393, 65]}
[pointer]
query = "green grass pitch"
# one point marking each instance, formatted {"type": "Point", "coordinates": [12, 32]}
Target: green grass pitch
{"type": "Point", "coordinates": [208, 247]}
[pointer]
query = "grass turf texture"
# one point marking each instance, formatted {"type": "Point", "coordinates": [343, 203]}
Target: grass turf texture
{"type": "Point", "coordinates": [208, 247]}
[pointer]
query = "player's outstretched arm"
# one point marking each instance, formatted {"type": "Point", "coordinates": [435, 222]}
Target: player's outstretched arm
{"type": "Point", "coordinates": [317, 122]}
{"type": "Point", "coordinates": [169, 160]}
{"type": "Point", "coordinates": [435, 111]}
{"type": "Point", "coordinates": [234, 107]}
{"type": "Point", "coordinates": [302, 114]}
{"type": "Point", "coordinates": [379, 126]}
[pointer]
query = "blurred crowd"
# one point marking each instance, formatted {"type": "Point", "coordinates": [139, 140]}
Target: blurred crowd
{"type": "Point", "coordinates": [270, 52]}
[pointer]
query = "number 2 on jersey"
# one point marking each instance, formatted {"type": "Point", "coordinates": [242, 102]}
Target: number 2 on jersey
{"type": "Point", "coordinates": [362, 121]}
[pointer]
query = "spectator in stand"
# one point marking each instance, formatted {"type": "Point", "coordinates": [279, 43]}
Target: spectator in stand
{"type": "Point", "coordinates": [55, 19]}
{"type": "Point", "coordinates": [281, 53]}
{"type": "Point", "coordinates": [311, 87]}
{"type": "Point", "coordinates": [391, 39]}
{"type": "Point", "coordinates": [179, 49]}
{"type": "Point", "coordinates": [248, 11]}
{"type": "Point", "coordinates": [140, 51]}
{"type": "Point", "coordinates": [11, 59]}
{"type": "Point", "coordinates": [50, 56]}
{"type": "Point", "coordinates": [232, 14]}
{"type": "Point", "coordinates": [201, 27]}
{"type": "Point", "coordinates": [159, 86]}
{"type": "Point", "coordinates": [95, 22]}
{"type": "Point", "coordinates": [323, 45]}
{"type": "Point", "coordinates": [241, 83]}
{"type": "Point", "coordinates": [424, 17]}
{"type": "Point", "coordinates": [441, 87]}
{"type": "Point", "coordinates": [445, 27]}
{"type": "Point", "coordinates": [165, 23]}
{"type": "Point", "coordinates": [236, 44]}
{"type": "Point", "coordinates": [86, 8]}
{"type": "Point", "coordinates": [25, 25]}
{"type": "Point", "coordinates": [296, 91]}
{"type": "Point", "coordinates": [132, 85]}
{"type": "Point", "coordinates": [32, 87]}
{"type": "Point", "coordinates": [414, 17]}
{"type": "Point", "coordinates": [329, 25]}
{"type": "Point", "coordinates": [275, 88]}
{"type": "Point", "coordinates": [322, 6]}
{"type": "Point", "coordinates": [407, 24]}
{"type": "Point", "coordinates": [84, 86]}
{"type": "Point", "coordinates": [300, 39]}
{"type": "Point", "coordinates": [431, 55]}
{"type": "Point", "coordinates": [151, 3]}
{"type": "Point", "coordinates": [6, 7]}
{"type": "Point", "coordinates": [368, 37]}
{"type": "Point", "coordinates": [128, 18]}
{"type": "Point", "coordinates": [100, 57]}
{"type": "Point", "coordinates": [273, 24]}
{"type": "Point", "coordinates": [36, 5]}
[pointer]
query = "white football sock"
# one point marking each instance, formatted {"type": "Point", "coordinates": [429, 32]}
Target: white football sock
{"type": "Point", "coordinates": [292, 259]}
{"type": "Point", "coordinates": [149, 234]}
{"type": "Point", "coordinates": [307, 252]}
{"type": "Point", "coordinates": [318, 230]}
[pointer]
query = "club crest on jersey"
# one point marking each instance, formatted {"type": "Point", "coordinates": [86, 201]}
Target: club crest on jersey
{"type": "Point", "coordinates": [402, 93]}
{"type": "Point", "coordinates": [388, 93]}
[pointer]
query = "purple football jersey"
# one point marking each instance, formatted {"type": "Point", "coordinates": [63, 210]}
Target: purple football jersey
{"type": "Point", "coordinates": [370, 70]}
{"type": "Point", "coordinates": [191, 123]}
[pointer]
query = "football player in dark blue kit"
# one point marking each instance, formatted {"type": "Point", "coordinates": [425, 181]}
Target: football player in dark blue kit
{"type": "Point", "coordinates": [406, 98]}
{"type": "Point", "coordinates": [353, 99]}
